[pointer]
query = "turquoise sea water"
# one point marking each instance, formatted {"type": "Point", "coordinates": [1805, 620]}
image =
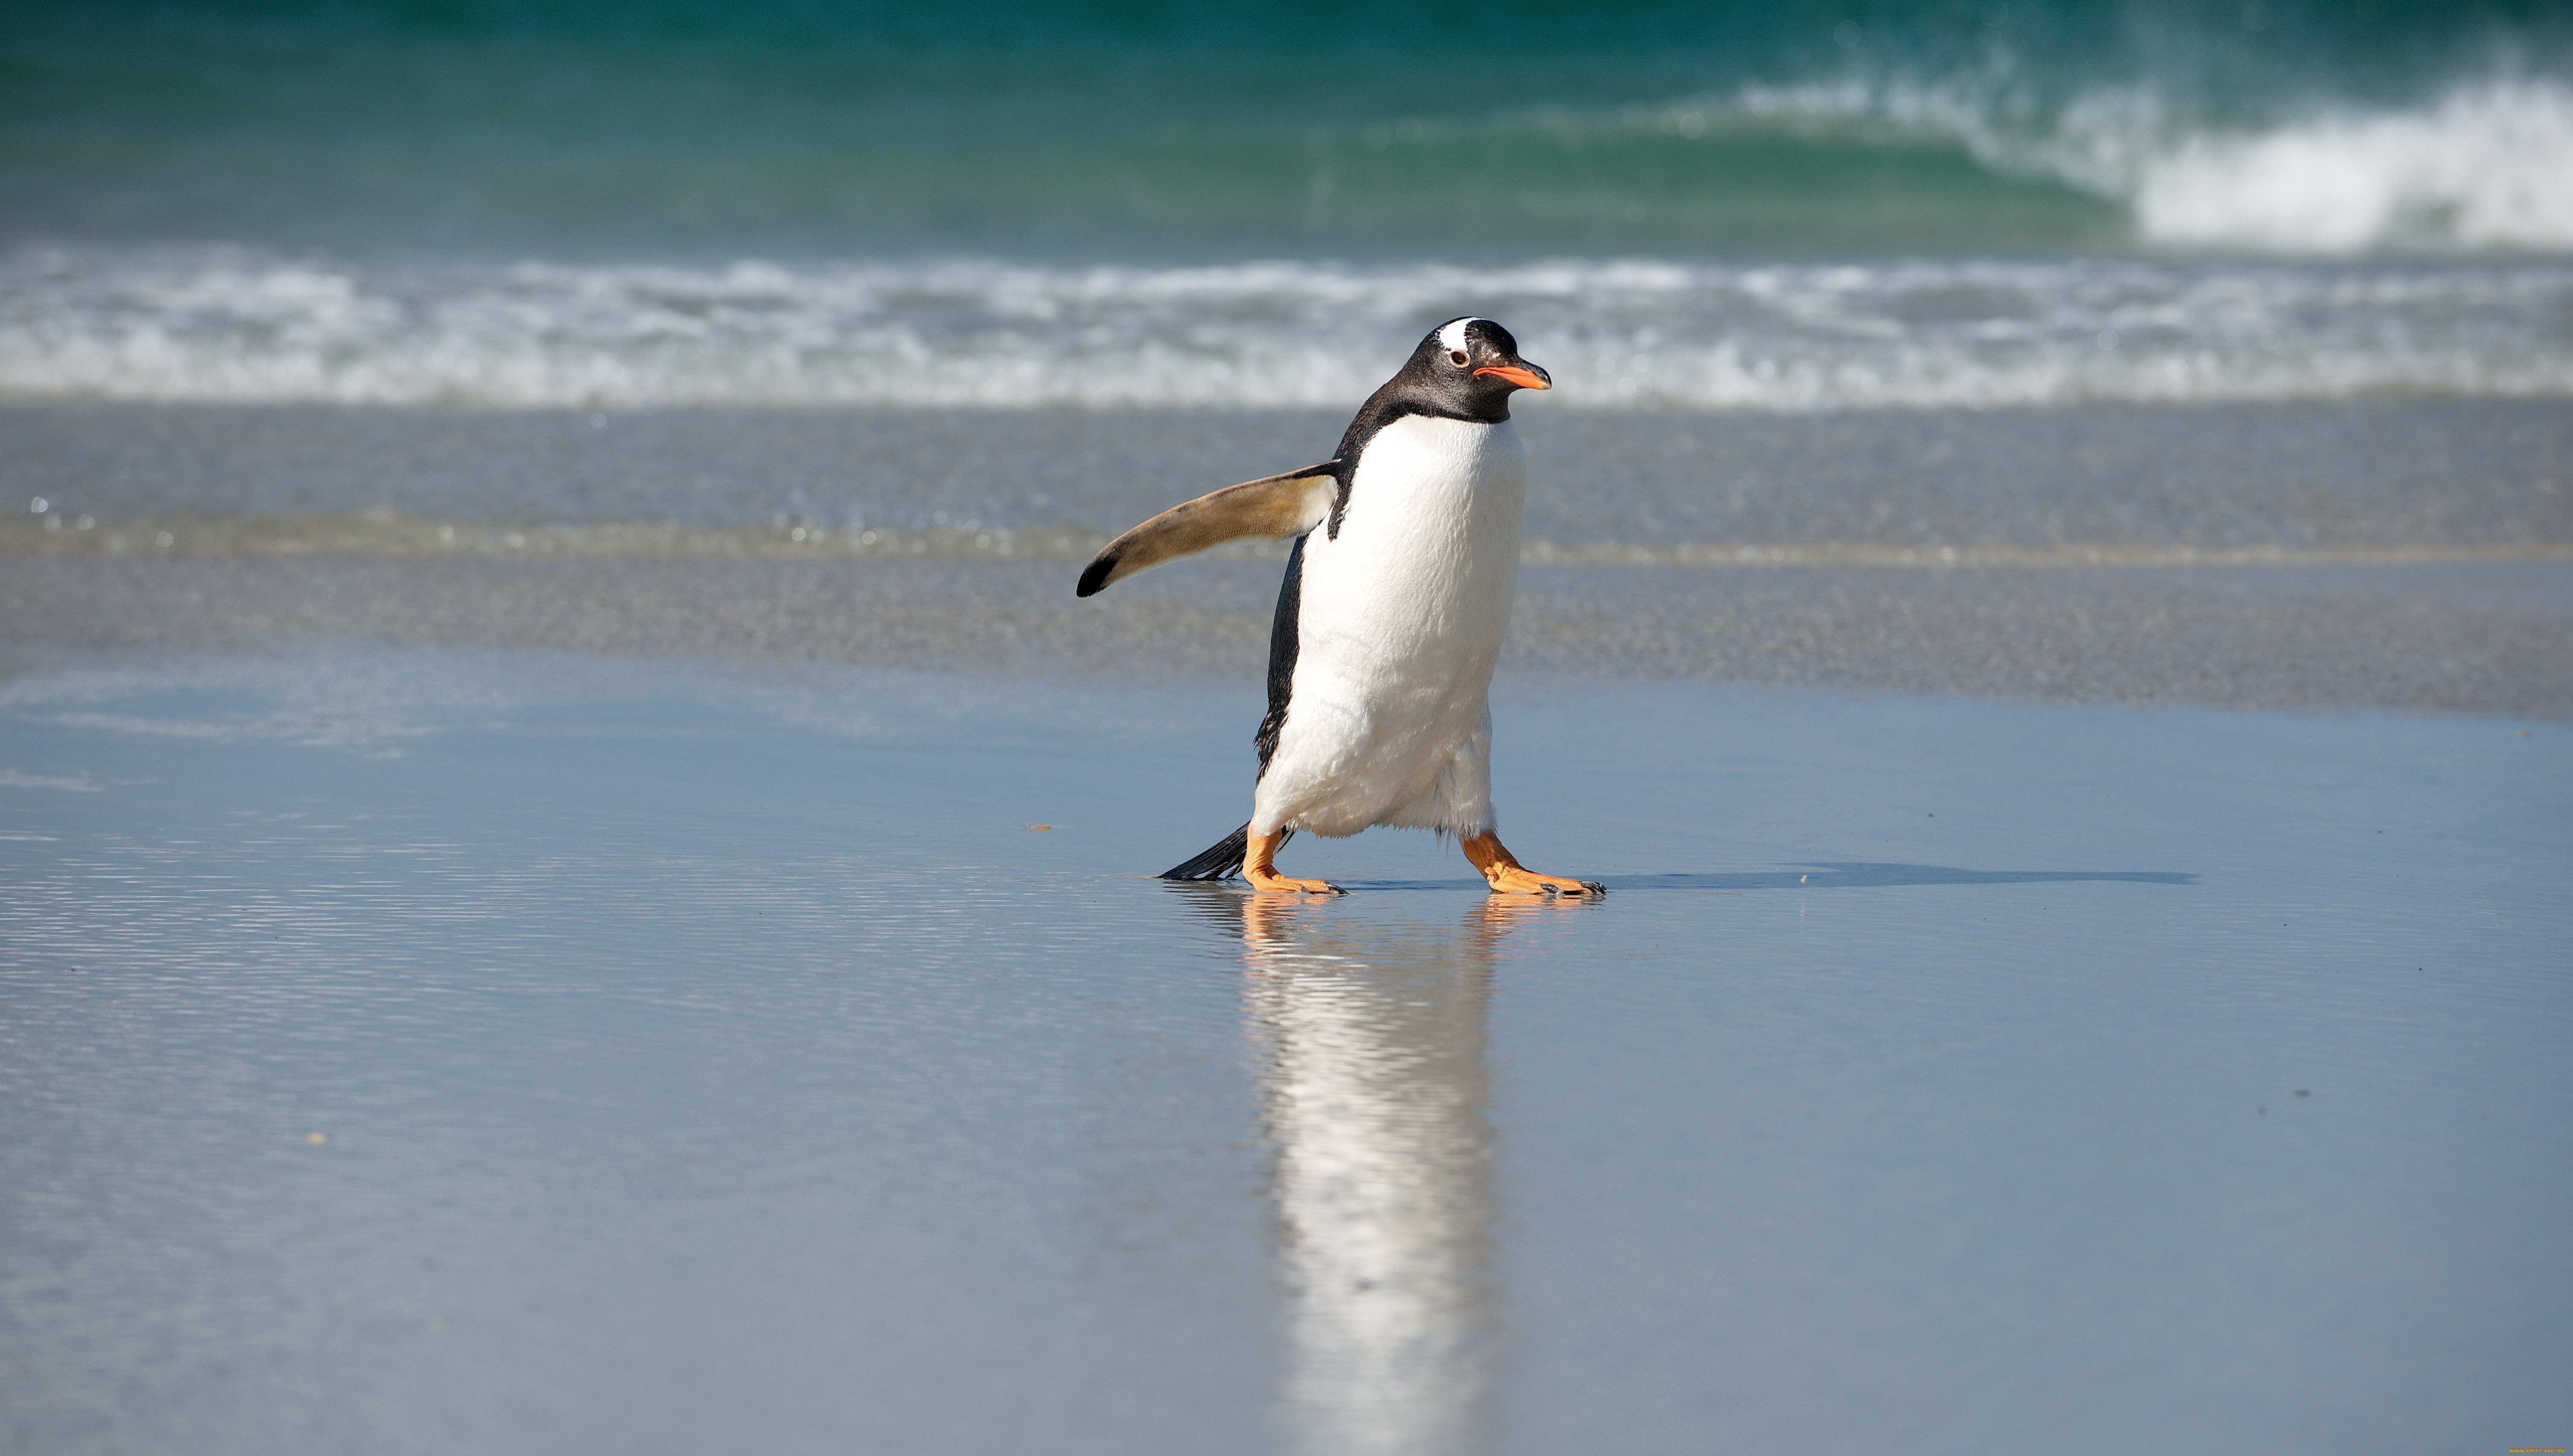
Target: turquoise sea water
{"type": "Point", "coordinates": [1732, 206]}
{"type": "Point", "coordinates": [1483, 130]}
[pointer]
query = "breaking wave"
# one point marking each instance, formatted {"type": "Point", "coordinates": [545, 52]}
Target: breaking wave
{"type": "Point", "coordinates": [2486, 166]}
{"type": "Point", "coordinates": [2490, 167]}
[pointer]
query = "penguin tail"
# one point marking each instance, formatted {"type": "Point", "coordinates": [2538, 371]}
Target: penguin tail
{"type": "Point", "coordinates": [1219, 860]}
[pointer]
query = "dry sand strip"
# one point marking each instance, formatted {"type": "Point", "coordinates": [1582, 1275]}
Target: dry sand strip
{"type": "Point", "coordinates": [2482, 636]}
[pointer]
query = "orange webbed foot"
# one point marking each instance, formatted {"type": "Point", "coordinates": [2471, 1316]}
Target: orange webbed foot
{"type": "Point", "coordinates": [1502, 871]}
{"type": "Point", "coordinates": [1273, 882]}
{"type": "Point", "coordinates": [1257, 867]}
{"type": "Point", "coordinates": [1517, 880]}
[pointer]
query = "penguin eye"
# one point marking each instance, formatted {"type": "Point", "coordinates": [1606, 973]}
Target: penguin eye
{"type": "Point", "coordinates": [1458, 357]}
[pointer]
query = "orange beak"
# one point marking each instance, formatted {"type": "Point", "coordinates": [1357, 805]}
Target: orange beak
{"type": "Point", "coordinates": [1525, 376]}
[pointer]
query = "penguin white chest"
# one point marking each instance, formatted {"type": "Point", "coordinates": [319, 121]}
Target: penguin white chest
{"type": "Point", "coordinates": [1399, 623]}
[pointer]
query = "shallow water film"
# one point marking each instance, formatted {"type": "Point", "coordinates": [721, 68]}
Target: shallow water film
{"type": "Point", "coordinates": [437, 1051]}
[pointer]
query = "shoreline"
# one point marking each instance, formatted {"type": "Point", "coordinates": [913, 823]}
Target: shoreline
{"type": "Point", "coordinates": [2479, 637]}
{"type": "Point", "coordinates": [2409, 555]}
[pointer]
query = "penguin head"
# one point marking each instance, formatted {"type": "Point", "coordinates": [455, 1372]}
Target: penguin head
{"type": "Point", "coordinates": [1473, 366]}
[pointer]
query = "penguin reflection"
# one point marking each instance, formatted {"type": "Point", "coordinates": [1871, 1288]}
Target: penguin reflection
{"type": "Point", "coordinates": [1373, 1091]}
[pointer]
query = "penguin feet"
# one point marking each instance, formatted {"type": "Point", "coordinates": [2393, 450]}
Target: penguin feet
{"type": "Point", "coordinates": [1270, 880]}
{"type": "Point", "coordinates": [1502, 871]}
{"type": "Point", "coordinates": [1257, 866]}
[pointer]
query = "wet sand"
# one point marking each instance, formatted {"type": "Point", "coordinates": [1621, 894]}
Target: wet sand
{"type": "Point", "coordinates": [2414, 556]}
{"type": "Point", "coordinates": [424, 1051]}
{"type": "Point", "coordinates": [510, 950]}
{"type": "Point", "coordinates": [2466, 637]}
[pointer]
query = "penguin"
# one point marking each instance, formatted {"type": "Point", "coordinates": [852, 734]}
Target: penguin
{"type": "Point", "coordinates": [1389, 621]}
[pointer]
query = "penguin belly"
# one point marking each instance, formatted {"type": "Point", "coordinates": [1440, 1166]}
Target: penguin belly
{"type": "Point", "coordinates": [1399, 623]}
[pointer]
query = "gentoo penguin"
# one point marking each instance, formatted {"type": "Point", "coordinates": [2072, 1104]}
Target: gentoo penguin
{"type": "Point", "coordinates": [1397, 589]}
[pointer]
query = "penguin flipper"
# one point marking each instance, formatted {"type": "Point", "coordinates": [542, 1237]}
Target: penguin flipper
{"type": "Point", "coordinates": [1219, 860]}
{"type": "Point", "coordinates": [1275, 507]}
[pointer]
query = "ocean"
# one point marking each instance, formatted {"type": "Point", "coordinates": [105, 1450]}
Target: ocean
{"type": "Point", "coordinates": [1773, 207]}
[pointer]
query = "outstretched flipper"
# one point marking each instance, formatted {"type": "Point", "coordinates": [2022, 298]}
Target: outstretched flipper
{"type": "Point", "coordinates": [1277, 507]}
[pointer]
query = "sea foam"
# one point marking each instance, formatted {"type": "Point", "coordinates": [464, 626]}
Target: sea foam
{"type": "Point", "coordinates": [232, 327]}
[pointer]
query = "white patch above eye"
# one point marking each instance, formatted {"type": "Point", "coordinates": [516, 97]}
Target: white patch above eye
{"type": "Point", "coordinates": [1451, 335]}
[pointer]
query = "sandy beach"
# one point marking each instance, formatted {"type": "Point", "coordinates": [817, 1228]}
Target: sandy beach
{"type": "Point", "coordinates": [2414, 556]}
{"type": "Point", "coordinates": [513, 947]}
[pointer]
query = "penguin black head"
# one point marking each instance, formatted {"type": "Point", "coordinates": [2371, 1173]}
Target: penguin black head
{"type": "Point", "coordinates": [1471, 367]}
